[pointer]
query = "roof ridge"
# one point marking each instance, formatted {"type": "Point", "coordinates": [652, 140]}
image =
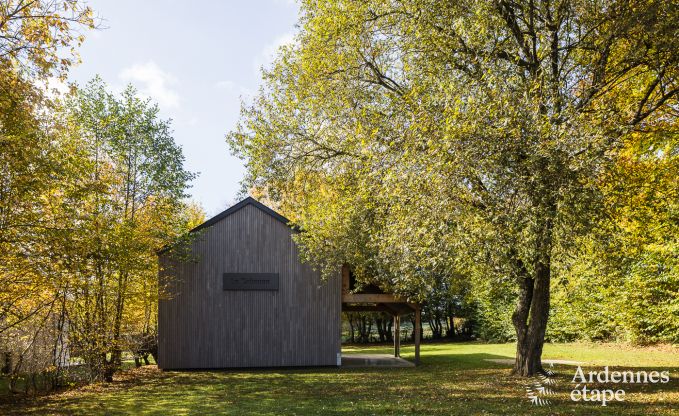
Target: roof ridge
{"type": "Point", "coordinates": [232, 209]}
{"type": "Point", "coordinates": [237, 207]}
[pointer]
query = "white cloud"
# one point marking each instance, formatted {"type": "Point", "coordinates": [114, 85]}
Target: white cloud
{"type": "Point", "coordinates": [268, 53]}
{"type": "Point", "coordinates": [153, 82]}
{"type": "Point", "coordinates": [286, 2]}
{"type": "Point", "coordinates": [225, 85]}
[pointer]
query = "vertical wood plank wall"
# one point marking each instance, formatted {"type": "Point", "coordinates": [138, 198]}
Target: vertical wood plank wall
{"type": "Point", "coordinates": [203, 326]}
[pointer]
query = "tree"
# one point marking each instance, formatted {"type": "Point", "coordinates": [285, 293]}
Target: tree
{"type": "Point", "coordinates": [130, 207]}
{"type": "Point", "coordinates": [642, 198]}
{"type": "Point", "coordinates": [32, 163]}
{"type": "Point", "coordinates": [35, 165]}
{"type": "Point", "coordinates": [462, 137]}
{"type": "Point", "coordinates": [91, 185]}
{"type": "Point", "coordinates": [449, 298]}
{"type": "Point", "coordinates": [623, 283]}
{"type": "Point", "coordinates": [34, 34]}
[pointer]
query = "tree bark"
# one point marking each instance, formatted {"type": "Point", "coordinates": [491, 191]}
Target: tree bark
{"type": "Point", "coordinates": [530, 322]}
{"type": "Point", "coordinates": [532, 309]}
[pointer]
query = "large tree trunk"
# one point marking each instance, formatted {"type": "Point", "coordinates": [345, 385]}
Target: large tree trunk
{"type": "Point", "coordinates": [530, 322]}
{"type": "Point", "coordinates": [532, 308]}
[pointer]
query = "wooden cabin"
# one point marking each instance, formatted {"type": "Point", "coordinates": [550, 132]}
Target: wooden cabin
{"type": "Point", "coordinates": [238, 295]}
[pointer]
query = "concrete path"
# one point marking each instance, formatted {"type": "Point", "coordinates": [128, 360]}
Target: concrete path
{"type": "Point", "coordinates": [510, 361]}
{"type": "Point", "coordinates": [374, 360]}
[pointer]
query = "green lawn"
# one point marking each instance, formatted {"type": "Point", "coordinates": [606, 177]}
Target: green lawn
{"type": "Point", "coordinates": [453, 379]}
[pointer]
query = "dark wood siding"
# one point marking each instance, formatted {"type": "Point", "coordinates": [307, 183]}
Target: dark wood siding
{"type": "Point", "coordinates": [203, 326]}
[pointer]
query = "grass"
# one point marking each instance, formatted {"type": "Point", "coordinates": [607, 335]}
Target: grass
{"type": "Point", "coordinates": [454, 379]}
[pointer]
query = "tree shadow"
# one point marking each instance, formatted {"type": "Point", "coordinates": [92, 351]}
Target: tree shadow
{"type": "Point", "coordinates": [445, 384]}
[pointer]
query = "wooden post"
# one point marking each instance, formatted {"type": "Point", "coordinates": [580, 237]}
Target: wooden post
{"type": "Point", "coordinates": [397, 336]}
{"type": "Point", "coordinates": [345, 279]}
{"type": "Point", "coordinates": [417, 334]}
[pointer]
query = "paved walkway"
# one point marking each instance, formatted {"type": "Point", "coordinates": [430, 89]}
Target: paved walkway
{"type": "Point", "coordinates": [374, 360]}
{"type": "Point", "coordinates": [510, 361]}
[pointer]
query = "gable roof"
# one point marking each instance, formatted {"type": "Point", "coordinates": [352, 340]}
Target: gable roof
{"type": "Point", "coordinates": [242, 204]}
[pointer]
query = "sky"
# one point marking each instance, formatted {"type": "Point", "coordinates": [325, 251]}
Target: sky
{"type": "Point", "coordinates": [197, 60]}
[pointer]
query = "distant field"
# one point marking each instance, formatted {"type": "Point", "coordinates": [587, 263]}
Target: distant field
{"type": "Point", "coordinates": [453, 379]}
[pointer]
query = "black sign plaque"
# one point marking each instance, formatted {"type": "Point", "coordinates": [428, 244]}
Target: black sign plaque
{"type": "Point", "coordinates": [250, 281]}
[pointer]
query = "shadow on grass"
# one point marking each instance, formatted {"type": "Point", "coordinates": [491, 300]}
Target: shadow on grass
{"type": "Point", "coordinates": [446, 383]}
